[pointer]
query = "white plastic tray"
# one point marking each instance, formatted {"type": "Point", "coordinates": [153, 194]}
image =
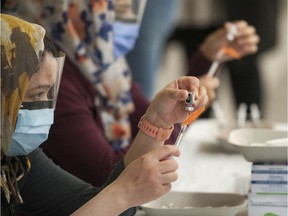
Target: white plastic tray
{"type": "Point", "coordinates": [256, 146]}
{"type": "Point", "coordinates": [196, 204]}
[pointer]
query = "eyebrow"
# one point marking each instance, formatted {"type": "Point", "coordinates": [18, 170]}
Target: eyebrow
{"type": "Point", "coordinates": [39, 87]}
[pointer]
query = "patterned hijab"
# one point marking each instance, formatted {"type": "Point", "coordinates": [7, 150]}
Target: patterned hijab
{"type": "Point", "coordinates": [22, 47]}
{"type": "Point", "coordinates": [21, 51]}
{"type": "Point", "coordinates": [84, 30]}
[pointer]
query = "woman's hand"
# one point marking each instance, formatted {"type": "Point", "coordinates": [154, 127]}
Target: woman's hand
{"type": "Point", "coordinates": [145, 179]}
{"type": "Point", "coordinates": [245, 42]}
{"type": "Point", "coordinates": [168, 106]}
{"type": "Point", "coordinates": [150, 176]}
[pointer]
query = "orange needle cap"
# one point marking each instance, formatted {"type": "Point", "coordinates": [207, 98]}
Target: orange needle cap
{"type": "Point", "coordinates": [231, 52]}
{"type": "Point", "coordinates": [193, 116]}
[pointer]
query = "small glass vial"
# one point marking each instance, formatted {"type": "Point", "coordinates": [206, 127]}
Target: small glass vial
{"type": "Point", "coordinates": [190, 101]}
{"type": "Point", "coordinates": [232, 33]}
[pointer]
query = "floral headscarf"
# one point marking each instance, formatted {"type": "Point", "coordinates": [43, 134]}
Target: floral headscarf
{"type": "Point", "coordinates": [22, 48]}
{"type": "Point", "coordinates": [84, 30]}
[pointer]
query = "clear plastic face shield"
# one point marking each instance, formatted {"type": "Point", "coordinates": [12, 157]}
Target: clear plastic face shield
{"type": "Point", "coordinates": [129, 10]}
{"type": "Point", "coordinates": [44, 84]}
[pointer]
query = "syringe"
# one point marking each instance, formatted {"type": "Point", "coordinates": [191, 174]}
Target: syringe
{"type": "Point", "coordinates": [225, 50]}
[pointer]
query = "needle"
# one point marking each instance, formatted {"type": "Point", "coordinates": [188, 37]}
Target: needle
{"type": "Point", "coordinates": [215, 64]}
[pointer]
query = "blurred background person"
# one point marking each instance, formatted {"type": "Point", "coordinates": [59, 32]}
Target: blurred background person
{"type": "Point", "coordinates": [245, 75]}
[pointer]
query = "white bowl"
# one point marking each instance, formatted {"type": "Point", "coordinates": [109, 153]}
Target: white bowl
{"type": "Point", "coordinates": [260, 145]}
{"type": "Point", "coordinates": [223, 134]}
{"type": "Point", "coordinates": [196, 204]}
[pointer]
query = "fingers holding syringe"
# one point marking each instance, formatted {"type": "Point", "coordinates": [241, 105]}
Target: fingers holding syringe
{"type": "Point", "coordinates": [246, 39]}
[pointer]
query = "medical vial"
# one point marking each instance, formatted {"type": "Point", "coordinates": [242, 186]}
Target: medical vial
{"type": "Point", "coordinates": [190, 101]}
{"type": "Point", "coordinates": [232, 33]}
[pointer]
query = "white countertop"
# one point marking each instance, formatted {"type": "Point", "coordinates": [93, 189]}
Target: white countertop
{"type": "Point", "coordinates": [205, 167]}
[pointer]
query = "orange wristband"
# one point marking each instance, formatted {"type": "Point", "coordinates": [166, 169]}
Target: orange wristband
{"type": "Point", "coordinates": [157, 133]}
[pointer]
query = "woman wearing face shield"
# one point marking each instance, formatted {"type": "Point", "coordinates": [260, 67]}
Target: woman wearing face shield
{"type": "Point", "coordinates": [36, 112]}
{"type": "Point", "coordinates": [31, 182]}
{"type": "Point", "coordinates": [99, 106]}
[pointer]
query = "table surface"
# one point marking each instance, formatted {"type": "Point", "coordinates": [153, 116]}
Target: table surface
{"type": "Point", "coordinates": [206, 166]}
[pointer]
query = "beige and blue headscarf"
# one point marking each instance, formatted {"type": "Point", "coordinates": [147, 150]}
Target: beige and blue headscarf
{"type": "Point", "coordinates": [21, 52]}
{"type": "Point", "coordinates": [84, 31]}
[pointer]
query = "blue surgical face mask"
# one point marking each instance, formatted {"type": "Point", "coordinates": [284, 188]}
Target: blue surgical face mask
{"type": "Point", "coordinates": [125, 35]}
{"type": "Point", "coordinates": [32, 129]}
